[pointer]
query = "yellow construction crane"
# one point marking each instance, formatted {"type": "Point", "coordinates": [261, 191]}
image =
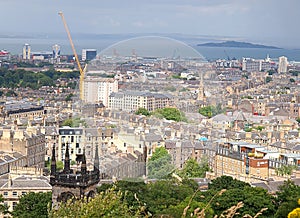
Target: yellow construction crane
{"type": "Point", "coordinates": [82, 71]}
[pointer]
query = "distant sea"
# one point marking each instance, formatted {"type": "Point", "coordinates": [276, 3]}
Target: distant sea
{"type": "Point", "coordinates": [159, 46]}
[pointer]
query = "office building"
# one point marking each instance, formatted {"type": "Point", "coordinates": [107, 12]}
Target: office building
{"type": "Point", "coordinates": [88, 54]}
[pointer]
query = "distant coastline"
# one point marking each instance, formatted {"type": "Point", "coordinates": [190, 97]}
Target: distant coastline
{"type": "Point", "coordinates": [235, 44]}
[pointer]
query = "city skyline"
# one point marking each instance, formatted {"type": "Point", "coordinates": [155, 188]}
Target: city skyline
{"type": "Point", "coordinates": [266, 22]}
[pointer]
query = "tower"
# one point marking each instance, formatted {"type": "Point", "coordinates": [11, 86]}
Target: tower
{"type": "Point", "coordinates": [56, 53]}
{"type": "Point", "coordinates": [282, 64]}
{"type": "Point", "coordinates": [68, 183]}
{"type": "Point", "coordinates": [201, 95]}
{"type": "Point", "coordinates": [26, 52]}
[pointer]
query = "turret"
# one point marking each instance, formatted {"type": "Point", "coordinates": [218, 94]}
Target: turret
{"type": "Point", "coordinates": [83, 164]}
{"type": "Point", "coordinates": [53, 161]}
{"type": "Point", "coordinates": [96, 161]}
{"type": "Point", "coordinates": [67, 160]}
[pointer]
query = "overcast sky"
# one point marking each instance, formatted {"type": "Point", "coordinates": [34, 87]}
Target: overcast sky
{"type": "Point", "coordinates": [274, 22]}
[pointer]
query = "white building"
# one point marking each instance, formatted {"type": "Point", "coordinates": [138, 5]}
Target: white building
{"type": "Point", "coordinates": [26, 52]}
{"type": "Point", "coordinates": [133, 100]}
{"type": "Point", "coordinates": [98, 89]}
{"type": "Point", "coordinates": [282, 64]}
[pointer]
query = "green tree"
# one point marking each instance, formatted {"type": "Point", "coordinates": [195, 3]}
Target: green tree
{"type": "Point", "coordinates": [69, 97]}
{"type": "Point", "coordinates": [159, 165]}
{"type": "Point", "coordinates": [171, 114]}
{"type": "Point", "coordinates": [33, 205]}
{"type": "Point", "coordinates": [142, 111]}
{"type": "Point", "coordinates": [192, 169]}
{"type": "Point", "coordinates": [226, 182]}
{"type": "Point", "coordinates": [163, 194]}
{"type": "Point", "coordinates": [104, 205]}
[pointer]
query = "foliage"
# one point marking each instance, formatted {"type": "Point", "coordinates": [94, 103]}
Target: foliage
{"type": "Point", "coordinates": [142, 111]}
{"type": "Point", "coordinates": [285, 170]}
{"type": "Point", "coordinates": [192, 169]}
{"type": "Point", "coordinates": [74, 122]}
{"type": "Point", "coordinates": [268, 79]}
{"type": "Point", "coordinates": [33, 205]}
{"type": "Point", "coordinates": [159, 165]}
{"type": "Point", "coordinates": [69, 97]}
{"type": "Point", "coordinates": [22, 78]}
{"type": "Point", "coordinates": [226, 182]}
{"type": "Point", "coordinates": [210, 111]}
{"type": "Point", "coordinates": [3, 207]}
{"type": "Point", "coordinates": [105, 204]}
{"type": "Point", "coordinates": [171, 114]}
{"type": "Point", "coordinates": [253, 198]}
{"type": "Point", "coordinates": [163, 194]}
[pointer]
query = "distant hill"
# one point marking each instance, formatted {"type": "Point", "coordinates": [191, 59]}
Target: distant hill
{"type": "Point", "coordinates": [235, 44]}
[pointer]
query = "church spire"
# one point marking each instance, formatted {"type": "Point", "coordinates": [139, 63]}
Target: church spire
{"type": "Point", "coordinates": [67, 160]}
{"type": "Point", "coordinates": [201, 95]}
{"type": "Point", "coordinates": [96, 161]}
{"type": "Point", "coordinates": [53, 161]}
{"type": "Point", "coordinates": [83, 163]}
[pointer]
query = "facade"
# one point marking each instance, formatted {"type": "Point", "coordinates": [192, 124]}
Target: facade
{"type": "Point", "coordinates": [282, 64]}
{"type": "Point", "coordinates": [17, 110]}
{"type": "Point", "coordinates": [70, 183]}
{"type": "Point", "coordinates": [26, 52]}
{"type": "Point", "coordinates": [29, 142]}
{"type": "Point", "coordinates": [132, 100]}
{"type": "Point", "coordinates": [21, 181]}
{"type": "Point", "coordinates": [88, 54]}
{"type": "Point", "coordinates": [82, 139]}
{"type": "Point", "coordinates": [97, 90]}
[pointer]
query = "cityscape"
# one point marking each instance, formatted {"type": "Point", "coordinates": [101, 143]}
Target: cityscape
{"type": "Point", "coordinates": [149, 126]}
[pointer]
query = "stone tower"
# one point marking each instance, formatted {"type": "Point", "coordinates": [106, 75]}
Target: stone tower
{"type": "Point", "coordinates": [201, 94]}
{"type": "Point", "coordinates": [68, 184]}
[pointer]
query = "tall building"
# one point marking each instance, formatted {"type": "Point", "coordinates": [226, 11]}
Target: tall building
{"type": "Point", "coordinates": [282, 64]}
{"type": "Point", "coordinates": [98, 89]}
{"type": "Point", "coordinates": [88, 54]}
{"type": "Point", "coordinates": [56, 53]}
{"type": "Point", "coordinates": [26, 52]}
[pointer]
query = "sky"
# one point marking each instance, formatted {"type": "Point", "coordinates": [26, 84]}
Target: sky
{"type": "Point", "coordinates": [271, 22]}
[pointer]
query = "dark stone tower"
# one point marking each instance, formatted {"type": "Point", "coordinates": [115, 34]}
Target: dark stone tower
{"type": "Point", "coordinates": [68, 184]}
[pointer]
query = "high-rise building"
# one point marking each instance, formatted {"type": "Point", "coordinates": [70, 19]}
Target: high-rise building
{"type": "Point", "coordinates": [26, 52]}
{"type": "Point", "coordinates": [98, 89]}
{"type": "Point", "coordinates": [88, 54]}
{"type": "Point", "coordinates": [56, 53]}
{"type": "Point", "coordinates": [282, 64]}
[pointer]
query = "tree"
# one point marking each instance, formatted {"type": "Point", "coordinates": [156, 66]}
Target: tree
{"type": "Point", "coordinates": [33, 205]}
{"type": "Point", "coordinates": [104, 205]}
{"type": "Point", "coordinates": [159, 165]}
{"type": "Point", "coordinates": [163, 194]}
{"type": "Point", "coordinates": [192, 169]}
{"type": "Point", "coordinates": [287, 195]}
{"type": "Point", "coordinates": [171, 114]}
{"type": "Point", "coordinates": [142, 111]}
{"type": "Point", "coordinates": [226, 182]}
{"type": "Point", "coordinates": [3, 207]}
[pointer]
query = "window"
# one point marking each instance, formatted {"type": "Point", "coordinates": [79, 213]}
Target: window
{"type": "Point", "coordinates": [15, 194]}
{"type": "Point", "coordinates": [24, 193]}
{"type": "Point", "coordinates": [14, 204]}
{"type": "Point", "coordinates": [5, 193]}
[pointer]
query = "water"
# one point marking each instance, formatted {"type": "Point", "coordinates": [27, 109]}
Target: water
{"type": "Point", "coordinates": [160, 46]}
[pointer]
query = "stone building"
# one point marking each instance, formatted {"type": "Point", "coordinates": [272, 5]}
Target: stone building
{"type": "Point", "coordinates": [70, 183]}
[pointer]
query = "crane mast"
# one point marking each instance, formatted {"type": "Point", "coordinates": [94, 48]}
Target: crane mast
{"type": "Point", "coordinates": [82, 71]}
